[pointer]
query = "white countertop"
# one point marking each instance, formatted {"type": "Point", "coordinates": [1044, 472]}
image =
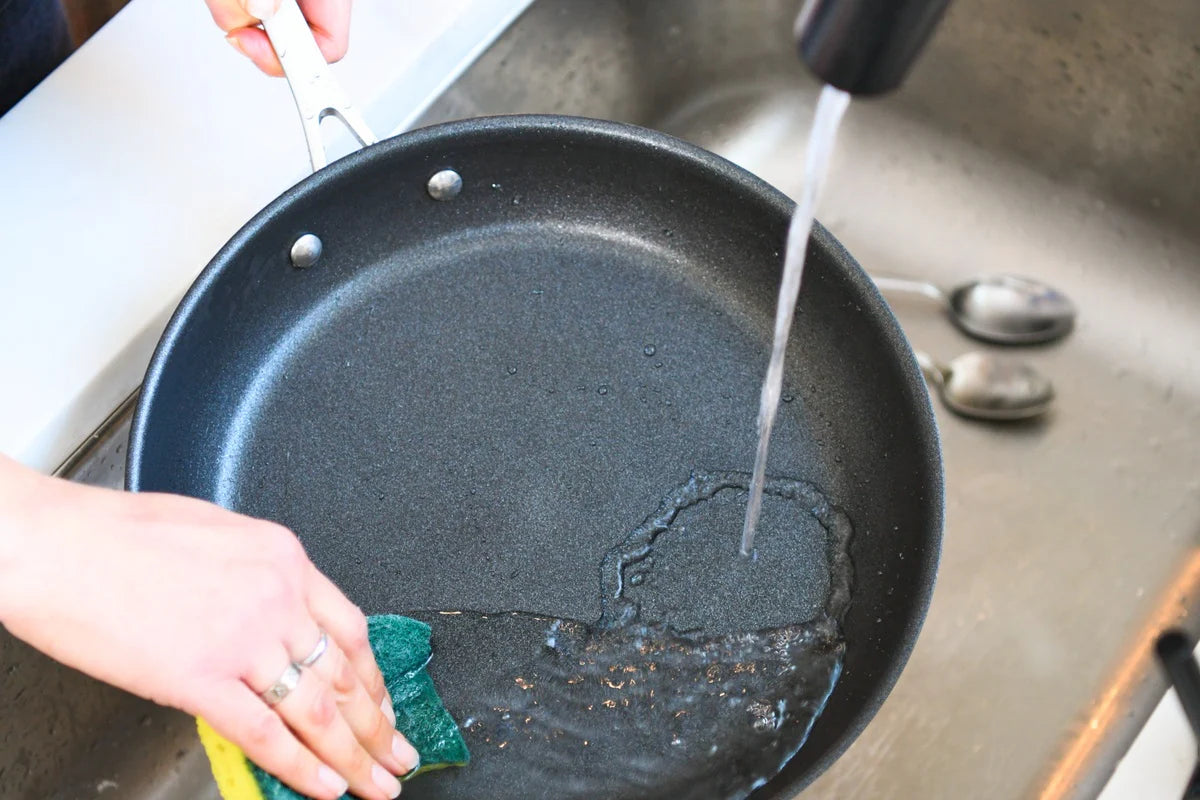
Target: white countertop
{"type": "Point", "coordinates": [128, 167]}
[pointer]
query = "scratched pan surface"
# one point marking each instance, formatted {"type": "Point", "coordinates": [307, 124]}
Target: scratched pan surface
{"type": "Point", "coordinates": [465, 404]}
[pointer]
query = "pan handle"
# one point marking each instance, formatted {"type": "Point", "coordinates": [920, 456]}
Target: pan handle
{"type": "Point", "coordinates": [317, 94]}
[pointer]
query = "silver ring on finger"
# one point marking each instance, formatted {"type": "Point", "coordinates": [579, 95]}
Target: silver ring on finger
{"type": "Point", "coordinates": [288, 681]}
{"type": "Point", "coordinates": [318, 650]}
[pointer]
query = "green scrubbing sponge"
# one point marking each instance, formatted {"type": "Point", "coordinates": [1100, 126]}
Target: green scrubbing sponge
{"type": "Point", "coordinates": [402, 650]}
{"type": "Point", "coordinates": [403, 644]}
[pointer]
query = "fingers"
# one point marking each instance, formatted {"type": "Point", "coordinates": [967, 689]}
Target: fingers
{"type": "Point", "coordinates": [347, 626]}
{"type": "Point", "coordinates": [254, 45]}
{"type": "Point", "coordinates": [328, 19]}
{"type": "Point", "coordinates": [240, 20]}
{"type": "Point", "coordinates": [239, 715]}
{"type": "Point", "coordinates": [311, 711]}
{"type": "Point", "coordinates": [375, 731]}
{"type": "Point", "coordinates": [350, 656]}
{"type": "Point", "coordinates": [330, 23]}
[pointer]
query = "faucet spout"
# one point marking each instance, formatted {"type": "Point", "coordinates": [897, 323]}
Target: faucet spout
{"type": "Point", "coordinates": [865, 47]}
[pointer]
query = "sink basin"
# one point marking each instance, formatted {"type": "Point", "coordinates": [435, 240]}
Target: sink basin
{"type": "Point", "coordinates": [1055, 140]}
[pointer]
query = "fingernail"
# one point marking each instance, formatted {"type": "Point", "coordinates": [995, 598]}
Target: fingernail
{"type": "Point", "coordinates": [331, 779]}
{"type": "Point", "coordinates": [262, 9]}
{"type": "Point", "coordinates": [388, 711]}
{"type": "Point", "coordinates": [385, 781]}
{"type": "Point", "coordinates": [405, 753]}
{"type": "Point", "coordinates": [237, 44]}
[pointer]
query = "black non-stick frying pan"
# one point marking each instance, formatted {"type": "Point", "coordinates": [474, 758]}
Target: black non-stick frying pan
{"type": "Point", "coordinates": [467, 403]}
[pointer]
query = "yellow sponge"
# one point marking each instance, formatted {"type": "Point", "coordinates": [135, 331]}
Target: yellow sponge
{"type": "Point", "coordinates": [230, 768]}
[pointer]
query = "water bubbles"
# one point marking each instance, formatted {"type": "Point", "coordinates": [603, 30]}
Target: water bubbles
{"type": "Point", "coordinates": [512, 370]}
{"type": "Point", "coordinates": [602, 389]}
{"type": "Point", "coordinates": [763, 717]}
{"type": "Point", "coordinates": [552, 634]}
{"type": "Point", "coordinates": [637, 579]}
{"type": "Point", "coordinates": [658, 364]}
{"type": "Point", "coordinates": [496, 187]}
{"type": "Point", "coordinates": [787, 398]}
{"type": "Point", "coordinates": [649, 350]}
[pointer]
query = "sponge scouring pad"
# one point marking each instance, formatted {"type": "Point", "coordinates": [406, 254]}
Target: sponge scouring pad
{"type": "Point", "coordinates": [402, 650]}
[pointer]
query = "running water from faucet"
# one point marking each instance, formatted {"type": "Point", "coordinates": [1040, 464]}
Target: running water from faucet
{"type": "Point", "coordinates": [830, 107]}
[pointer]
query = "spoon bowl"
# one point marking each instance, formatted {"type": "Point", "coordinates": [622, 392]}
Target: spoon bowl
{"type": "Point", "coordinates": [988, 387]}
{"type": "Point", "coordinates": [1007, 309]}
{"type": "Point", "coordinates": [1001, 309]}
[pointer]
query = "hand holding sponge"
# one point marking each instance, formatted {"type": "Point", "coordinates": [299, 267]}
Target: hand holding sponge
{"type": "Point", "coordinates": [402, 650]}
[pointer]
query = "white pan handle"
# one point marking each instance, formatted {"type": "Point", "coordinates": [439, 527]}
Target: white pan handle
{"type": "Point", "coordinates": [317, 94]}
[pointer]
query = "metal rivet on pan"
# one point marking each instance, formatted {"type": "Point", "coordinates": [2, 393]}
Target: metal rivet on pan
{"type": "Point", "coordinates": [306, 251]}
{"type": "Point", "coordinates": [444, 185]}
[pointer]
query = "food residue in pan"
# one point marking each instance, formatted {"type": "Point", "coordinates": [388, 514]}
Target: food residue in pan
{"type": "Point", "coordinates": [672, 693]}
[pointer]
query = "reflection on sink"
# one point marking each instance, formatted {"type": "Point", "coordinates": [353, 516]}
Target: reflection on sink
{"type": "Point", "coordinates": [1058, 140]}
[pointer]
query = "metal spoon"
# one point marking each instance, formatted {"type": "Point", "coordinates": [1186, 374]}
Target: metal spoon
{"type": "Point", "coordinates": [984, 386]}
{"type": "Point", "coordinates": [1004, 309]}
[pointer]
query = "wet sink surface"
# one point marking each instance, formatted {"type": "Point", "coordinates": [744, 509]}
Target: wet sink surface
{"type": "Point", "coordinates": [1060, 143]}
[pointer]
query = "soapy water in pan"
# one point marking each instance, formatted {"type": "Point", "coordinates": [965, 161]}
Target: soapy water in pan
{"type": "Point", "coordinates": [649, 702]}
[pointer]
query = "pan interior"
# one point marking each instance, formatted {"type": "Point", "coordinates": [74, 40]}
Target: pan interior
{"type": "Point", "coordinates": [466, 405]}
{"type": "Point", "coordinates": [475, 426]}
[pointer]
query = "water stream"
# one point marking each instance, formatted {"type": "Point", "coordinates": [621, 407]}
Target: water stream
{"type": "Point", "coordinates": [830, 108]}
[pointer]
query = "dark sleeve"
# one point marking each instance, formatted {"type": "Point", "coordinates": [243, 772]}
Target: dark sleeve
{"type": "Point", "coordinates": [33, 41]}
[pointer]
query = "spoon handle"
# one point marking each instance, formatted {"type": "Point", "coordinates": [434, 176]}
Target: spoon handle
{"type": "Point", "coordinates": [887, 284]}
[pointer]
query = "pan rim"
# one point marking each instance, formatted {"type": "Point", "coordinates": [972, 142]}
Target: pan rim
{"type": "Point", "coordinates": [692, 156]}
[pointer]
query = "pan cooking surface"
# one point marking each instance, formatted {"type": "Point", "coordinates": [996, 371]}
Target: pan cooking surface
{"type": "Point", "coordinates": [493, 468]}
{"type": "Point", "coordinates": [465, 405]}
{"type": "Point", "coordinates": [488, 456]}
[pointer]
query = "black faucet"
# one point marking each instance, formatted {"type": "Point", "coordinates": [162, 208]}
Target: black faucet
{"type": "Point", "coordinates": [864, 47]}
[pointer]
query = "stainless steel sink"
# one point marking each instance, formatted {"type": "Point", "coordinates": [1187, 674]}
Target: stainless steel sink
{"type": "Point", "coordinates": [1058, 140]}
